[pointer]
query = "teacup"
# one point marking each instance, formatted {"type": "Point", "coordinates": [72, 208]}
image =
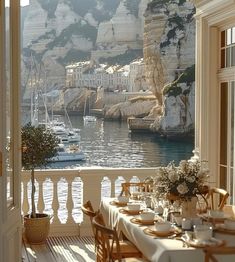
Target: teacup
{"type": "Point", "coordinates": [147, 216]}
{"type": "Point", "coordinates": [216, 213]}
{"type": "Point", "coordinates": [123, 199]}
{"type": "Point", "coordinates": [133, 206]}
{"type": "Point", "coordinates": [163, 226]}
{"type": "Point", "coordinates": [203, 232]}
{"type": "Point", "coordinates": [178, 219]}
{"type": "Point", "coordinates": [159, 210]}
{"type": "Point", "coordinates": [196, 221]}
{"type": "Point", "coordinates": [229, 223]}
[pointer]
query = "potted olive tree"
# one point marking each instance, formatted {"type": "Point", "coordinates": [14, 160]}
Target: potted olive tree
{"type": "Point", "coordinates": [38, 146]}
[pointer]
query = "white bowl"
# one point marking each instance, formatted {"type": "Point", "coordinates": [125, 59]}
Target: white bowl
{"type": "Point", "coordinates": [133, 206]}
{"type": "Point", "coordinates": [147, 216]}
{"type": "Point", "coordinates": [203, 232]}
{"type": "Point", "coordinates": [123, 199]}
{"type": "Point", "coordinates": [229, 223]}
{"type": "Point", "coordinates": [163, 226]}
{"type": "Point", "coordinates": [216, 213]}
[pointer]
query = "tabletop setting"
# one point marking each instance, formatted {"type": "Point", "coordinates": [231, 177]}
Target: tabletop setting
{"type": "Point", "coordinates": [171, 216]}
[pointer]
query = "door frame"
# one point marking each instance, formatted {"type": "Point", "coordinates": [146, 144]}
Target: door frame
{"type": "Point", "coordinates": [10, 206]}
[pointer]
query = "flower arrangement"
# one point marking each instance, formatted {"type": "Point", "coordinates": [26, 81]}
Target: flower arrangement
{"type": "Point", "coordinates": [182, 182]}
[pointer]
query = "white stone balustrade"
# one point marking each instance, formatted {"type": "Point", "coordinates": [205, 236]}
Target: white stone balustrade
{"type": "Point", "coordinates": [62, 192]}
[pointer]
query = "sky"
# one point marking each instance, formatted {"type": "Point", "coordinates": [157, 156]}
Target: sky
{"type": "Point", "coordinates": [24, 2]}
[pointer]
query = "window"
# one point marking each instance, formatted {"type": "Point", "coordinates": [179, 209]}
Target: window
{"type": "Point", "coordinates": [228, 48]}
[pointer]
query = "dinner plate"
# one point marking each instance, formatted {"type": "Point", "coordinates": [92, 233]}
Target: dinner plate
{"type": "Point", "coordinates": [130, 212]}
{"type": "Point", "coordinates": [117, 203]}
{"type": "Point", "coordinates": [152, 232]}
{"type": "Point", "coordinates": [222, 229]}
{"type": "Point", "coordinates": [139, 221]}
{"type": "Point", "coordinates": [211, 218]}
{"type": "Point", "coordinates": [213, 242]}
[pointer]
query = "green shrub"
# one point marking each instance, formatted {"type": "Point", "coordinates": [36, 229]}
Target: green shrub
{"type": "Point", "coordinates": [123, 59]}
{"type": "Point", "coordinates": [188, 77]}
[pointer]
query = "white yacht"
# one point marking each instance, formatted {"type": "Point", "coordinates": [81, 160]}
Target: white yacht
{"type": "Point", "coordinates": [69, 153]}
{"type": "Point", "coordinates": [65, 135]}
{"type": "Point", "coordinates": [88, 119]}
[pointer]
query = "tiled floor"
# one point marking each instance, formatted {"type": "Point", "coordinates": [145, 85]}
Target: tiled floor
{"type": "Point", "coordinates": [60, 249]}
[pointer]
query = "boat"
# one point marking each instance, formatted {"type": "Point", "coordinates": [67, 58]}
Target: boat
{"type": "Point", "coordinates": [65, 135]}
{"type": "Point", "coordinates": [88, 119]}
{"type": "Point", "coordinates": [68, 153]}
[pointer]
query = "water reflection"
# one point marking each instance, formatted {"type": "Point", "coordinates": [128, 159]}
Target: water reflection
{"type": "Point", "coordinates": [110, 144]}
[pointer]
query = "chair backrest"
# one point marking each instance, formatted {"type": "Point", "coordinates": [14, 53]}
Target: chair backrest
{"type": "Point", "coordinates": [210, 252]}
{"type": "Point", "coordinates": [88, 210]}
{"type": "Point", "coordinates": [106, 240]}
{"type": "Point", "coordinates": [217, 195]}
{"type": "Point", "coordinates": [127, 187]}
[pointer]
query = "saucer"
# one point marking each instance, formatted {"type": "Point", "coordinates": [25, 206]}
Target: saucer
{"type": "Point", "coordinates": [213, 242]}
{"type": "Point", "coordinates": [152, 232]}
{"type": "Point", "coordinates": [117, 203]}
{"type": "Point", "coordinates": [222, 229]}
{"type": "Point", "coordinates": [130, 212]}
{"type": "Point", "coordinates": [139, 221]}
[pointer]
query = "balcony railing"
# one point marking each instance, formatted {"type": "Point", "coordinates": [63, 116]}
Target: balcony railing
{"type": "Point", "coordinates": [61, 193]}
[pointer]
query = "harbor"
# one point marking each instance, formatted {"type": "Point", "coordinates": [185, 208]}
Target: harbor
{"type": "Point", "coordinates": [110, 144]}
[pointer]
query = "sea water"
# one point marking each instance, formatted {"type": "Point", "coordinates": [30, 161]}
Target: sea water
{"type": "Point", "coordinates": [111, 144]}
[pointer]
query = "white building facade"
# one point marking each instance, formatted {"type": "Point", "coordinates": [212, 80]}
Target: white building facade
{"type": "Point", "coordinates": [86, 74]}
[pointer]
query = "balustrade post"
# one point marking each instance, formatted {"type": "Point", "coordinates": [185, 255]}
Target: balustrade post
{"type": "Point", "coordinates": [91, 191]}
{"type": "Point", "coordinates": [69, 203]}
{"type": "Point", "coordinates": [55, 202]}
{"type": "Point", "coordinates": [112, 180]}
{"type": "Point", "coordinates": [25, 203]}
{"type": "Point", "coordinates": [41, 204]}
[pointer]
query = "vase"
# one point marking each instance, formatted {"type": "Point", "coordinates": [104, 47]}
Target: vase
{"type": "Point", "coordinates": [189, 208]}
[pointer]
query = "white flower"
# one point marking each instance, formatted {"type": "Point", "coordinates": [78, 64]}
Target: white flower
{"type": "Point", "coordinates": [173, 176]}
{"type": "Point", "coordinates": [190, 179]}
{"type": "Point", "coordinates": [182, 188]}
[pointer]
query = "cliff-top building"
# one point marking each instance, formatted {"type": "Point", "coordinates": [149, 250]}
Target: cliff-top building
{"type": "Point", "coordinates": [86, 74]}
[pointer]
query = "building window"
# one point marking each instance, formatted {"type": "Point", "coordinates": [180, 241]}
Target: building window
{"type": "Point", "coordinates": [227, 138]}
{"type": "Point", "coordinates": [228, 48]}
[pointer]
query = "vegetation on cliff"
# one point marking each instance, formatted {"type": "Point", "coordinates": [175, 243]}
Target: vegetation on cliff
{"type": "Point", "coordinates": [49, 6]}
{"type": "Point", "coordinates": [84, 30]}
{"type": "Point", "coordinates": [74, 55]}
{"type": "Point", "coordinates": [123, 59]}
{"type": "Point", "coordinates": [154, 5]}
{"type": "Point", "coordinates": [174, 88]}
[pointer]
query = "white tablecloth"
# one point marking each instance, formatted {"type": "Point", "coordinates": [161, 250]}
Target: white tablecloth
{"type": "Point", "coordinates": [153, 248]}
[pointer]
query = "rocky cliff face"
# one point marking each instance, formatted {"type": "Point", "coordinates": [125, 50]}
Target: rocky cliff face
{"type": "Point", "coordinates": [59, 32]}
{"type": "Point", "coordinates": [169, 51]}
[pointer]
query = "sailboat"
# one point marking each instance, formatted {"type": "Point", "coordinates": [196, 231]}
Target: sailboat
{"type": "Point", "coordinates": [64, 152]}
{"type": "Point", "coordinates": [88, 118]}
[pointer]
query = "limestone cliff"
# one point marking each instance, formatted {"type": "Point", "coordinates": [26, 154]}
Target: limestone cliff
{"type": "Point", "coordinates": [59, 32]}
{"type": "Point", "coordinates": [169, 39]}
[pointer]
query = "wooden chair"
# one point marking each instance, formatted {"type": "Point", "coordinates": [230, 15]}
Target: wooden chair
{"type": "Point", "coordinates": [128, 187]}
{"type": "Point", "coordinates": [210, 252]}
{"type": "Point", "coordinates": [88, 210]}
{"type": "Point", "coordinates": [217, 195]}
{"type": "Point", "coordinates": [108, 246]}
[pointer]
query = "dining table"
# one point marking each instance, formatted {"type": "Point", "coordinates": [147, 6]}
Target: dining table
{"type": "Point", "coordinates": [154, 248]}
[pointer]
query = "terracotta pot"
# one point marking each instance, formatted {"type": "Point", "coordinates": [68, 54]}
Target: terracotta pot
{"type": "Point", "coordinates": [37, 229]}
